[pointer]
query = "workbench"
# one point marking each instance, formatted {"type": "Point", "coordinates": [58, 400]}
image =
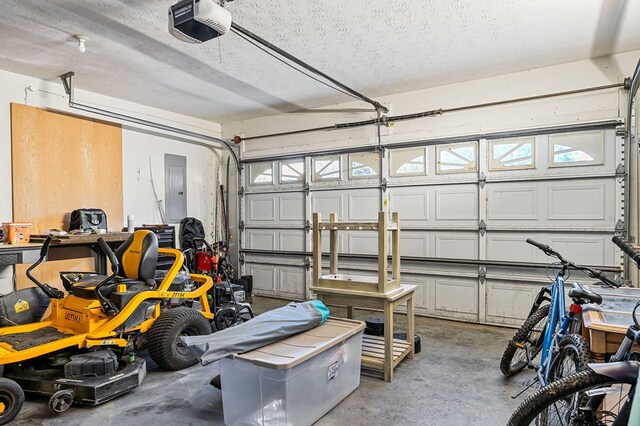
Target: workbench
{"type": "Point", "coordinates": [378, 353]}
{"type": "Point", "coordinates": [61, 247]}
{"type": "Point", "coordinates": [605, 325]}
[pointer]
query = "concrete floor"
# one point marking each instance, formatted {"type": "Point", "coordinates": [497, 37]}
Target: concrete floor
{"type": "Point", "coordinates": [455, 380]}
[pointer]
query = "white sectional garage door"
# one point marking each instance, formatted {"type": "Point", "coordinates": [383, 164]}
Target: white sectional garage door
{"type": "Point", "coordinates": [466, 209]}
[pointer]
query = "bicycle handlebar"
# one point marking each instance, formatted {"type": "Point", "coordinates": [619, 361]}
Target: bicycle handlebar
{"type": "Point", "coordinates": [593, 273]}
{"type": "Point", "coordinates": [631, 251]}
{"type": "Point", "coordinates": [541, 246]}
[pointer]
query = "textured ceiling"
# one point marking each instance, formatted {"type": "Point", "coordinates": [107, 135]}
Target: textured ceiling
{"type": "Point", "coordinates": [376, 46]}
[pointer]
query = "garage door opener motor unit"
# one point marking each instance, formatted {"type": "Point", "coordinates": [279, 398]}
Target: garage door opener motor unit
{"type": "Point", "coordinates": [196, 21]}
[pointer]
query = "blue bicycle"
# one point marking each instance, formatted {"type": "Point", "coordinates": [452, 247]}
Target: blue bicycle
{"type": "Point", "coordinates": [552, 330]}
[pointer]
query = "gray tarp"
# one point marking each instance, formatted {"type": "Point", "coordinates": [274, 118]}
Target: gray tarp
{"type": "Point", "coordinates": [260, 331]}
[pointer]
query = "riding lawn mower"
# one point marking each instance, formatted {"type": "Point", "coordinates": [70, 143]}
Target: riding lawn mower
{"type": "Point", "coordinates": [83, 350]}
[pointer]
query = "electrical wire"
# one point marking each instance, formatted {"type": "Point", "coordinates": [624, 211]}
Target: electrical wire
{"type": "Point", "coordinates": [244, 37]}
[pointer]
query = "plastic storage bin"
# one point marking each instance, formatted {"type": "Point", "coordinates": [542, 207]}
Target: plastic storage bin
{"type": "Point", "coordinates": [294, 381]}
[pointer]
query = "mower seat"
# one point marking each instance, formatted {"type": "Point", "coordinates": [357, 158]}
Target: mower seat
{"type": "Point", "coordinates": [137, 258]}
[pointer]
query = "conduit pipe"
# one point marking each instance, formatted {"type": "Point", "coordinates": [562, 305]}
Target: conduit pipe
{"type": "Point", "coordinates": [67, 82]}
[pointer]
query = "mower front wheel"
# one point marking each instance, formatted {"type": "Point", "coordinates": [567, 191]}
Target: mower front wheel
{"type": "Point", "coordinates": [11, 400]}
{"type": "Point", "coordinates": [164, 344]}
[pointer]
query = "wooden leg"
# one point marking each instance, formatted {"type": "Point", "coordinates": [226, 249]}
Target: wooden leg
{"type": "Point", "coordinates": [598, 345]}
{"type": "Point", "coordinates": [411, 326]}
{"type": "Point", "coordinates": [350, 312]}
{"type": "Point", "coordinates": [388, 342]}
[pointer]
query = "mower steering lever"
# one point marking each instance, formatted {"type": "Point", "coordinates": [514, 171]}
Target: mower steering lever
{"type": "Point", "coordinates": [107, 306]}
{"type": "Point", "coordinates": [52, 293]}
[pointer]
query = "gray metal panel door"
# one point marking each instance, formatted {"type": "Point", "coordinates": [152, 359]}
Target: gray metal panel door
{"type": "Point", "coordinates": [175, 184]}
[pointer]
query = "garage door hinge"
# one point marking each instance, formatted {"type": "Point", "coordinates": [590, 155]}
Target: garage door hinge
{"type": "Point", "coordinates": [620, 226]}
{"type": "Point", "coordinates": [307, 226]}
{"type": "Point", "coordinates": [482, 274]}
{"type": "Point", "coordinates": [307, 188]}
{"type": "Point", "coordinates": [241, 192]}
{"type": "Point", "coordinates": [482, 227]}
{"type": "Point", "coordinates": [307, 263]}
{"type": "Point", "coordinates": [620, 172]}
{"type": "Point", "coordinates": [383, 184]}
{"type": "Point", "coordinates": [242, 258]}
{"type": "Point", "coordinates": [241, 226]}
{"type": "Point", "coordinates": [482, 180]}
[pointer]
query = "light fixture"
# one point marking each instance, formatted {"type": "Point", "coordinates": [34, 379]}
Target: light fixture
{"type": "Point", "coordinates": [81, 41]}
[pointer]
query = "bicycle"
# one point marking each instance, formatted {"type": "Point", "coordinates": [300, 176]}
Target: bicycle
{"type": "Point", "coordinates": [551, 330]}
{"type": "Point", "coordinates": [603, 394]}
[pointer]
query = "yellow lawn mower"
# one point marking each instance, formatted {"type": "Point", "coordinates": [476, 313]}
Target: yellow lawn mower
{"type": "Point", "coordinates": [83, 351]}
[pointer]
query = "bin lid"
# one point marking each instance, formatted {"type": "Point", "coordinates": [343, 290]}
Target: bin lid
{"type": "Point", "coordinates": [293, 350]}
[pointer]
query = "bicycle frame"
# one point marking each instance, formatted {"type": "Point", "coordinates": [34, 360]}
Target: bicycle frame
{"type": "Point", "coordinates": [557, 315]}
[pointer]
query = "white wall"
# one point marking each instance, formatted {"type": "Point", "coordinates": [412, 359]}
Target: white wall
{"type": "Point", "coordinates": [557, 110]}
{"type": "Point", "coordinates": [138, 145]}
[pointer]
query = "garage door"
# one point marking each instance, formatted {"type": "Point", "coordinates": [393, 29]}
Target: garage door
{"type": "Point", "coordinates": [465, 207]}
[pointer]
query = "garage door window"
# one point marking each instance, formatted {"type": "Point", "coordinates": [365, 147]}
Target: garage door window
{"type": "Point", "coordinates": [326, 168]}
{"type": "Point", "coordinates": [261, 174]}
{"type": "Point", "coordinates": [456, 158]}
{"type": "Point", "coordinates": [408, 162]}
{"type": "Point", "coordinates": [364, 165]}
{"type": "Point", "coordinates": [512, 154]}
{"type": "Point", "coordinates": [576, 149]}
{"type": "Point", "coordinates": [292, 171]}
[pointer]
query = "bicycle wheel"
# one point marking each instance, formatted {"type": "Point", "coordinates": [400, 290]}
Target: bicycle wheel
{"type": "Point", "coordinates": [573, 356]}
{"type": "Point", "coordinates": [566, 402]}
{"type": "Point", "coordinates": [531, 333]}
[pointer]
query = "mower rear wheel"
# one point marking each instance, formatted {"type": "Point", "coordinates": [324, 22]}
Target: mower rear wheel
{"type": "Point", "coordinates": [11, 400]}
{"type": "Point", "coordinates": [164, 344]}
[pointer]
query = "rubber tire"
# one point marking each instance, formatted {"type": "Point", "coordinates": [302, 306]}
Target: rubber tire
{"type": "Point", "coordinates": [12, 395]}
{"type": "Point", "coordinates": [527, 412]}
{"type": "Point", "coordinates": [575, 346]}
{"type": "Point", "coordinates": [221, 323]}
{"type": "Point", "coordinates": [163, 337]}
{"type": "Point", "coordinates": [522, 335]}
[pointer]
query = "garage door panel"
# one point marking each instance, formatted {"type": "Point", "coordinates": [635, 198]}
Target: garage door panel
{"type": "Point", "coordinates": [513, 203]}
{"type": "Point", "coordinates": [456, 245]}
{"type": "Point", "coordinates": [362, 242]}
{"type": "Point", "coordinates": [412, 203]}
{"type": "Point", "coordinates": [291, 207]}
{"type": "Point", "coordinates": [326, 203]}
{"type": "Point", "coordinates": [456, 203]}
{"type": "Point", "coordinates": [590, 250]}
{"type": "Point", "coordinates": [342, 247]}
{"type": "Point", "coordinates": [415, 243]}
{"type": "Point", "coordinates": [582, 248]}
{"type": "Point", "coordinates": [264, 278]}
{"type": "Point", "coordinates": [291, 280]}
{"type": "Point", "coordinates": [459, 295]}
{"type": "Point", "coordinates": [261, 208]}
{"type": "Point", "coordinates": [364, 205]}
{"type": "Point", "coordinates": [291, 240]}
{"type": "Point", "coordinates": [509, 302]}
{"type": "Point", "coordinates": [579, 201]}
{"type": "Point", "coordinates": [260, 239]}
{"type": "Point", "coordinates": [554, 203]}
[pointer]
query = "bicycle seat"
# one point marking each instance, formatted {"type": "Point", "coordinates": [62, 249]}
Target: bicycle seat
{"type": "Point", "coordinates": [581, 295]}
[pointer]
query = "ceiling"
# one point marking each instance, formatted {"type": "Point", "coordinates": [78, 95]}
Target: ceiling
{"type": "Point", "coordinates": [377, 47]}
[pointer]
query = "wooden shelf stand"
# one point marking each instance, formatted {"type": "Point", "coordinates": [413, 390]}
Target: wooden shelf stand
{"type": "Point", "coordinates": [382, 292]}
{"type": "Point", "coordinates": [382, 284]}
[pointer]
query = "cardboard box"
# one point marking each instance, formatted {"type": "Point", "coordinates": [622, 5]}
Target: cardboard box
{"type": "Point", "coordinates": [16, 233]}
